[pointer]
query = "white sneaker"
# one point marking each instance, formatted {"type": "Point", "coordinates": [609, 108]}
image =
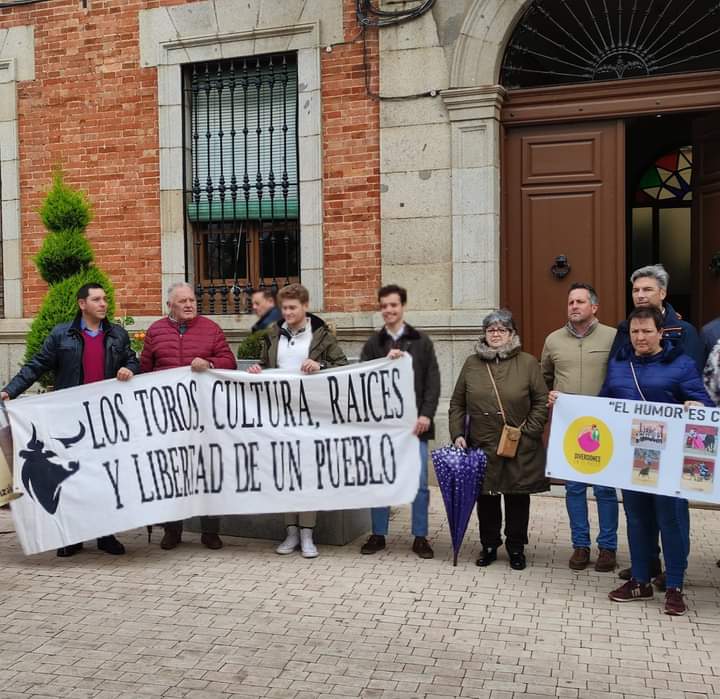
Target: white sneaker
{"type": "Point", "coordinates": [307, 545]}
{"type": "Point", "coordinates": [291, 543]}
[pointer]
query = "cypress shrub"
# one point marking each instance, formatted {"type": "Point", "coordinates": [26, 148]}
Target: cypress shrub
{"type": "Point", "coordinates": [65, 262]}
{"type": "Point", "coordinates": [64, 208]}
{"type": "Point", "coordinates": [63, 254]}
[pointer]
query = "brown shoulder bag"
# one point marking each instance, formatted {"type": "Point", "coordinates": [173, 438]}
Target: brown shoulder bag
{"type": "Point", "coordinates": [510, 436]}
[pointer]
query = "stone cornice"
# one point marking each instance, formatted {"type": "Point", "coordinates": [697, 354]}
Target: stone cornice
{"type": "Point", "coordinates": [466, 103]}
{"type": "Point", "coordinates": [351, 327]}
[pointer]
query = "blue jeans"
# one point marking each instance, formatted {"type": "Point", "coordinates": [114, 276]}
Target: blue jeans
{"type": "Point", "coordinates": [381, 515]}
{"type": "Point", "coordinates": [607, 504]}
{"type": "Point", "coordinates": [673, 519]}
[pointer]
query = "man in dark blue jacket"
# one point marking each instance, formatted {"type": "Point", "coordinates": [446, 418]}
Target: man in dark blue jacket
{"type": "Point", "coordinates": [649, 290]}
{"type": "Point", "coordinates": [265, 308]}
{"type": "Point", "coordinates": [86, 350]}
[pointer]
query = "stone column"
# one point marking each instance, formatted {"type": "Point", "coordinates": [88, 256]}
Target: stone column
{"type": "Point", "coordinates": [17, 63]}
{"type": "Point", "coordinates": [475, 173]}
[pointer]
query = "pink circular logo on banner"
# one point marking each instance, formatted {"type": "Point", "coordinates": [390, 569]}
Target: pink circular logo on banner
{"type": "Point", "coordinates": [589, 439]}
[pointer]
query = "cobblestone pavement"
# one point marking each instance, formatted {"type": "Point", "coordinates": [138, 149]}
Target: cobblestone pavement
{"type": "Point", "coordinates": [245, 622]}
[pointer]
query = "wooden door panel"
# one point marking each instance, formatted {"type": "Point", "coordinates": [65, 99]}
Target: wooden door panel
{"type": "Point", "coordinates": [563, 194]}
{"type": "Point", "coordinates": [559, 222]}
{"type": "Point", "coordinates": [578, 158]}
{"type": "Point", "coordinates": [706, 217]}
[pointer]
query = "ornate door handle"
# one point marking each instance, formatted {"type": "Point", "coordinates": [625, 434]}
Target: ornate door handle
{"type": "Point", "coordinates": [561, 268]}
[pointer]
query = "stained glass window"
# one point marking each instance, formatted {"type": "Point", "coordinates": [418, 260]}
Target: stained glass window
{"type": "Point", "coordinates": [668, 180]}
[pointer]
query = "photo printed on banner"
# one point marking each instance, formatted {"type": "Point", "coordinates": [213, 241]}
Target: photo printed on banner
{"type": "Point", "coordinates": [698, 474]}
{"type": "Point", "coordinates": [648, 434]}
{"type": "Point", "coordinates": [700, 440]}
{"type": "Point", "coordinates": [646, 467]}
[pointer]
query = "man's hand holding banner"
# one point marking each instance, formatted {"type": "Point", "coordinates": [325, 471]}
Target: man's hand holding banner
{"type": "Point", "coordinates": [637, 445]}
{"type": "Point", "coordinates": [112, 456]}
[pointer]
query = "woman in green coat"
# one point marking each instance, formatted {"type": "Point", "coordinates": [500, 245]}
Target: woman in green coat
{"type": "Point", "coordinates": [523, 395]}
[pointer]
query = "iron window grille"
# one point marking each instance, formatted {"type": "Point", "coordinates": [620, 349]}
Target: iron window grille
{"type": "Point", "coordinates": [242, 200]}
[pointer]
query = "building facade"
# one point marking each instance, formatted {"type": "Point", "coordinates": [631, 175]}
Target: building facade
{"type": "Point", "coordinates": [484, 152]}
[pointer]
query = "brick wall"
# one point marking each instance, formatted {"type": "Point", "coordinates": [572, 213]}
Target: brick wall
{"type": "Point", "coordinates": [351, 191]}
{"type": "Point", "coordinates": [93, 110]}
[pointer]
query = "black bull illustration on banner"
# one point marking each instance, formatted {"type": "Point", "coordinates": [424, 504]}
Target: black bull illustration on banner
{"type": "Point", "coordinates": [42, 477]}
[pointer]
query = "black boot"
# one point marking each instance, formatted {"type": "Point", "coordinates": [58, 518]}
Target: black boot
{"type": "Point", "coordinates": [487, 556]}
{"type": "Point", "coordinates": [71, 550]}
{"type": "Point", "coordinates": [517, 560]}
{"type": "Point", "coordinates": [172, 536]}
{"type": "Point", "coordinates": [110, 545]}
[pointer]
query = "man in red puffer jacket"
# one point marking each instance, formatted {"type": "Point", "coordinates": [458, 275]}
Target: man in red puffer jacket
{"type": "Point", "coordinates": [184, 338]}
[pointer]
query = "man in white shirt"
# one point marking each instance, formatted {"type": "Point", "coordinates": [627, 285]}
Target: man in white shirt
{"type": "Point", "coordinates": [299, 342]}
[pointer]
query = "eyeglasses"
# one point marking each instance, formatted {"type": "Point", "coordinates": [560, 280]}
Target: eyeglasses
{"type": "Point", "coordinates": [497, 331]}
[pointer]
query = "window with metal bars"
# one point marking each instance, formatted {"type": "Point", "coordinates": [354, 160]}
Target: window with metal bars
{"type": "Point", "coordinates": [242, 200]}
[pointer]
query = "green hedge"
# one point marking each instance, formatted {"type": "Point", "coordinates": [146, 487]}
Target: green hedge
{"type": "Point", "coordinates": [249, 347]}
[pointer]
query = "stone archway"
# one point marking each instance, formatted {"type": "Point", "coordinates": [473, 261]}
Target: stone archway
{"type": "Point", "coordinates": [473, 102]}
{"type": "Point", "coordinates": [480, 47]}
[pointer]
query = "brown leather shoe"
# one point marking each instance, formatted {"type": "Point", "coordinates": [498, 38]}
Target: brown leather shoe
{"type": "Point", "coordinates": [606, 561]}
{"type": "Point", "coordinates": [421, 546]}
{"type": "Point", "coordinates": [580, 559]}
{"type": "Point", "coordinates": [211, 541]}
{"type": "Point", "coordinates": [172, 536]}
{"type": "Point", "coordinates": [375, 543]}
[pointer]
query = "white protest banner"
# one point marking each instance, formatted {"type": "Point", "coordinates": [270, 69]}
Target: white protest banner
{"type": "Point", "coordinates": [637, 445]}
{"type": "Point", "coordinates": [7, 492]}
{"type": "Point", "coordinates": [110, 456]}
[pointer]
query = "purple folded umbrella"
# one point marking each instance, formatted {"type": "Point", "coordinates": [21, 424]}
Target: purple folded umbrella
{"type": "Point", "coordinates": [460, 474]}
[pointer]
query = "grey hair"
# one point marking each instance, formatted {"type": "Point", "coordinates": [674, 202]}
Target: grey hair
{"type": "Point", "coordinates": [178, 285]}
{"type": "Point", "coordinates": [657, 272]}
{"type": "Point", "coordinates": [502, 317]}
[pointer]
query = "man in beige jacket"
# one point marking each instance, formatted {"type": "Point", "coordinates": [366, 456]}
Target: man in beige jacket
{"type": "Point", "coordinates": [574, 360]}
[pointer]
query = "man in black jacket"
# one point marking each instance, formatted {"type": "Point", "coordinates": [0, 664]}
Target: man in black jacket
{"type": "Point", "coordinates": [86, 350]}
{"type": "Point", "coordinates": [396, 337]}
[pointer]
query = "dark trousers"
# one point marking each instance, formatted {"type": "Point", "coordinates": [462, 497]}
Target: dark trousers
{"type": "Point", "coordinates": [208, 525]}
{"type": "Point", "coordinates": [517, 519]}
{"type": "Point", "coordinates": [645, 514]}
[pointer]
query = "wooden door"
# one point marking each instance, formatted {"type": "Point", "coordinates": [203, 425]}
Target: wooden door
{"type": "Point", "coordinates": [563, 195]}
{"type": "Point", "coordinates": [706, 218]}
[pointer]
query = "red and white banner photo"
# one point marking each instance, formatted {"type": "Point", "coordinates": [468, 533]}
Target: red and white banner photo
{"type": "Point", "coordinates": [111, 456]}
